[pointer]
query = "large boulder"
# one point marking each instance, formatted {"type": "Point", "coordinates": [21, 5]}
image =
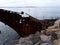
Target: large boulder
{"type": "Point", "coordinates": [56, 24]}
{"type": "Point", "coordinates": [30, 40]}
{"type": "Point", "coordinates": [57, 42]}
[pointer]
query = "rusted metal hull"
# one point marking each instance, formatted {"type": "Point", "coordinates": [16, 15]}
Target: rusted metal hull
{"type": "Point", "coordinates": [28, 25]}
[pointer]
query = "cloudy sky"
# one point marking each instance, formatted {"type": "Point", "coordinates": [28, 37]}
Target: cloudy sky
{"type": "Point", "coordinates": [18, 3]}
{"type": "Point", "coordinates": [36, 8]}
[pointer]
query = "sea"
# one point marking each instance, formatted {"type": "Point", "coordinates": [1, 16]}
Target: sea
{"type": "Point", "coordinates": [7, 34]}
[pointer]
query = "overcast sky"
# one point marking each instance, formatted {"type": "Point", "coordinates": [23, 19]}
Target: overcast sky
{"type": "Point", "coordinates": [18, 3]}
{"type": "Point", "coordinates": [36, 8]}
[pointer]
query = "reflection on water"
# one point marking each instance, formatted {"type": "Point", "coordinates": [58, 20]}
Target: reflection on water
{"type": "Point", "coordinates": [7, 34]}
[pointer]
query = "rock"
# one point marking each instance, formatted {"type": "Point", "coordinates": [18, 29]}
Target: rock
{"type": "Point", "coordinates": [57, 42]}
{"type": "Point", "coordinates": [56, 24]}
{"type": "Point", "coordinates": [25, 41]}
{"type": "Point", "coordinates": [30, 40]}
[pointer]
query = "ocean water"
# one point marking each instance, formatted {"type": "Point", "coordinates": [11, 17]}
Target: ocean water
{"type": "Point", "coordinates": [7, 34]}
{"type": "Point", "coordinates": [37, 12]}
